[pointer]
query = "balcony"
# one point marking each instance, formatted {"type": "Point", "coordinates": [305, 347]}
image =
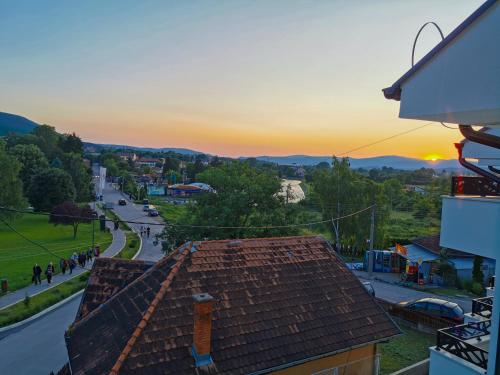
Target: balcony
{"type": "Point", "coordinates": [476, 186]}
{"type": "Point", "coordinates": [462, 349]}
{"type": "Point", "coordinates": [470, 223]}
{"type": "Point", "coordinates": [482, 307]}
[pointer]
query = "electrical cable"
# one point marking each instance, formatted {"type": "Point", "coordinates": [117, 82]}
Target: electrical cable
{"type": "Point", "coordinates": [194, 226]}
{"type": "Point", "coordinates": [384, 139]}
{"type": "Point", "coordinates": [449, 127]}
{"type": "Point", "coordinates": [36, 243]}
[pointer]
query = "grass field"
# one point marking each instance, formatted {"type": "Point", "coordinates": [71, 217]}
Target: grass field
{"type": "Point", "coordinates": [17, 256]}
{"type": "Point", "coordinates": [131, 246]}
{"type": "Point", "coordinates": [411, 347]}
{"type": "Point", "coordinates": [168, 211]}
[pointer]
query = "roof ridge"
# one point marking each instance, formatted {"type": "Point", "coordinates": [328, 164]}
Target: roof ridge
{"type": "Point", "coordinates": [263, 238]}
{"type": "Point", "coordinates": [160, 263]}
{"type": "Point", "coordinates": [149, 312]}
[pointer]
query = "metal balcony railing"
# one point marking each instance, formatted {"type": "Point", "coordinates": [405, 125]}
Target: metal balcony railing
{"type": "Point", "coordinates": [468, 185]}
{"type": "Point", "coordinates": [462, 341]}
{"type": "Point", "coordinates": [482, 306]}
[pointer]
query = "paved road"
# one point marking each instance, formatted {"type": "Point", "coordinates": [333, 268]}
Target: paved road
{"type": "Point", "coordinates": [114, 248]}
{"type": "Point", "coordinates": [134, 212]}
{"type": "Point", "coordinates": [39, 348]}
{"type": "Point", "coordinates": [394, 293]}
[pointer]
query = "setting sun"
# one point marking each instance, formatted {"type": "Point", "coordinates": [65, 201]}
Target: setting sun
{"type": "Point", "coordinates": [433, 157]}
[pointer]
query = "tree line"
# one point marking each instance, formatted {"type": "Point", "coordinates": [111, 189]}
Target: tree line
{"type": "Point", "coordinates": [43, 169]}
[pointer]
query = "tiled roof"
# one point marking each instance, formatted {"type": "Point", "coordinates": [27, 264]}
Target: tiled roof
{"type": "Point", "coordinates": [108, 277]}
{"type": "Point", "coordinates": [431, 243]}
{"type": "Point", "coordinates": [278, 301]}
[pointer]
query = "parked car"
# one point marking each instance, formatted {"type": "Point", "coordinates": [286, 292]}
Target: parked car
{"type": "Point", "coordinates": [145, 208]}
{"type": "Point", "coordinates": [153, 212]}
{"type": "Point", "coordinates": [122, 202]}
{"type": "Point", "coordinates": [145, 201]}
{"type": "Point", "coordinates": [437, 307]}
{"type": "Point", "coordinates": [369, 287]}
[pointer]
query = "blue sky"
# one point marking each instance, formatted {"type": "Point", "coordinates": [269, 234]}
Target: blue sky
{"type": "Point", "coordinates": [226, 77]}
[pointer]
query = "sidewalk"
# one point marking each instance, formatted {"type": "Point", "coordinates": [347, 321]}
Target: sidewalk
{"type": "Point", "coordinates": [114, 248]}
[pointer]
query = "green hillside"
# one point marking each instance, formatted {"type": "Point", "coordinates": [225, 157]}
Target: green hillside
{"type": "Point", "coordinates": [14, 123]}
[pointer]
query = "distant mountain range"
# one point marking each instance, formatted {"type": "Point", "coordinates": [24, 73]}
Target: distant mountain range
{"type": "Point", "coordinates": [183, 151]}
{"type": "Point", "coordinates": [396, 162]}
{"type": "Point", "coordinates": [19, 124]}
{"type": "Point", "coordinates": [10, 123]}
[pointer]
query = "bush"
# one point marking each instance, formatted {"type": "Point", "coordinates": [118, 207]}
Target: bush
{"type": "Point", "coordinates": [477, 289]}
{"type": "Point", "coordinates": [467, 285]}
{"type": "Point", "coordinates": [133, 243]}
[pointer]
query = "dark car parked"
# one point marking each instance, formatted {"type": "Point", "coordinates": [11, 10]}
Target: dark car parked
{"type": "Point", "coordinates": [437, 307]}
{"type": "Point", "coordinates": [122, 202]}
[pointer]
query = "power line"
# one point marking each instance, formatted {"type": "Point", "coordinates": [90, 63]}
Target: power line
{"type": "Point", "coordinates": [384, 139]}
{"type": "Point", "coordinates": [34, 242]}
{"type": "Point", "coordinates": [194, 226]}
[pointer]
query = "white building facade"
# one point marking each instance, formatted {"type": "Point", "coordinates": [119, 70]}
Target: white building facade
{"type": "Point", "coordinates": [459, 82]}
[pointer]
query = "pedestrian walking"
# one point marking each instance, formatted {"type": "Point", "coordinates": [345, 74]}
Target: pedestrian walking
{"type": "Point", "coordinates": [37, 274]}
{"type": "Point", "coordinates": [49, 272]}
{"type": "Point", "coordinates": [72, 265]}
{"type": "Point", "coordinates": [148, 230]}
{"type": "Point", "coordinates": [63, 265]}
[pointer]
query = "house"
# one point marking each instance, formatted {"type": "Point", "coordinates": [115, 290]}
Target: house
{"type": "Point", "coordinates": [428, 251]}
{"type": "Point", "coordinates": [127, 156]}
{"type": "Point", "coordinates": [458, 82]}
{"type": "Point", "coordinates": [184, 191]}
{"type": "Point", "coordinates": [148, 162]}
{"type": "Point", "coordinates": [265, 305]}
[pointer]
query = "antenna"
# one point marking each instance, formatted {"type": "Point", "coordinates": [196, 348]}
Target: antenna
{"type": "Point", "coordinates": [418, 34]}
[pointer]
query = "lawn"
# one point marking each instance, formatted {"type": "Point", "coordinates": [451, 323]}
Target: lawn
{"type": "Point", "coordinates": [17, 256]}
{"type": "Point", "coordinates": [131, 246]}
{"type": "Point", "coordinates": [170, 212]}
{"type": "Point", "coordinates": [411, 347]}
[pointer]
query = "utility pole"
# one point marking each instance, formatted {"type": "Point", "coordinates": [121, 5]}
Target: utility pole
{"type": "Point", "coordinates": [372, 235]}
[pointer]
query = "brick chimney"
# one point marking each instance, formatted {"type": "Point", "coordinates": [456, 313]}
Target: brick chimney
{"type": "Point", "coordinates": [203, 304]}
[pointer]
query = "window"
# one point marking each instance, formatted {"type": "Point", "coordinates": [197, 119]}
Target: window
{"type": "Point", "coordinates": [419, 306]}
{"type": "Point", "coordinates": [434, 309]}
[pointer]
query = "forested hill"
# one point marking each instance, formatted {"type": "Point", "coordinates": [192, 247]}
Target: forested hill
{"type": "Point", "coordinates": [15, 124]}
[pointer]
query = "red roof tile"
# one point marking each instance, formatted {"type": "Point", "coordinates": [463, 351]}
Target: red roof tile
{"type": "Point", "coordinates": [277, 301]}
{"type": "Point", "coordinates": [108, 277]}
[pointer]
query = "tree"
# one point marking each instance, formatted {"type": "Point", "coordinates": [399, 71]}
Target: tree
{"type": "Point", "coordinates": [68, 213]}
{"type": "Point", "coordinates": [71, 143]}
{"type": "Point", "coordinates": [171, 164]}
{"type": "Point", "coordinates": [47, 140]}
{"type": "Point", "coordinates": [32, 160]}
{"type": "Point", "coordinates": [11, 192]}
{"type": "Point", "coordinates": [50, 187]}
{"type": "Point", "coordinates": [340, 191]}
{"type": "Point", "coordinates": [243, 197]}
{"type": "Point", "coordinates": [80, 174]}
{"type": "Point", "coordinates": [477, 272]}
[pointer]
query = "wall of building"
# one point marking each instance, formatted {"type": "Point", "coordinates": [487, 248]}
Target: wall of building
{"type": "Point", "coordinates": [353, 357]}
{"type": "Point", "coordinates": [461, 84]}
{"type": "Point", "coordinates": [442, 362]}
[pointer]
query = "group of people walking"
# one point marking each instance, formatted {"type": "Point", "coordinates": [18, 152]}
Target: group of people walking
{"type": "Point", "coordinates": [80, 259]}
{"type": "Point", "coordinates": [145, 231]}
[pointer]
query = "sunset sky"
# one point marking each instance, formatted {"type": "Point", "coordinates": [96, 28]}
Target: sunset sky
{"type": "Point", "coordinates": [235, 78]}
